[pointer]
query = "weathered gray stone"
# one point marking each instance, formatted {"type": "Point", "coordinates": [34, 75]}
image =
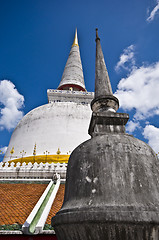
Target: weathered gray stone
{"type": "Point", "coordinates": [104, 99]}
{"type": "Point", "coordinates": [107, 122]}
{"type": "Point", "coordinates": [111, 188]}
{"type": "Point", "coordinates": [112, 185]}
{"type": "Point", "coordinates": [102, 82]}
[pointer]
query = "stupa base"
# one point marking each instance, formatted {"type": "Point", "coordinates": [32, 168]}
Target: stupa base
{"type": "Point", "coordinates": [107, 231]}
{"type": "Point", "coordinates": [92, 225]}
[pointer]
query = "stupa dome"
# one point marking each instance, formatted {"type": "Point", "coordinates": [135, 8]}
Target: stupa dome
{"type": "Point", "coordinates": [51, 126]}
{"type": "Point", "coordinates": [50, 132]}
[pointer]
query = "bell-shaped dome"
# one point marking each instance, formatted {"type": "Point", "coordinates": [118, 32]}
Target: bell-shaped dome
{"type": "Point", "coordinates": [112, 184]}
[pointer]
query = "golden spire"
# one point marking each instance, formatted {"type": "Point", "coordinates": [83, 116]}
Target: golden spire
{"type": "Point", "coordinates": [75, 42]}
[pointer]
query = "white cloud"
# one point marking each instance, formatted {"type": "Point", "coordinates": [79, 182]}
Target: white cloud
{"type": "Point", "coordinates": [153, 13]}
{"type": "Point", "coordinates": [127, 59]}
{"type": "Point", "coordinates": [3, 149]}
{"type": "Point", "coordinates": [132, 126]}
{"type": "Point", "coordinates": [152, 134]}
{"type": "Point", "coordinates": [10, 104]}
{"type": "Point", "coordinates": [140, 91]}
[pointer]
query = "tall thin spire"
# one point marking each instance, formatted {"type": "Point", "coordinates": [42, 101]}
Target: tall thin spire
{"type": "Point", "coordinates": [102, 82]}
{"type": "Point", "coordinates": [72, 77]}
{"type": "Point", "coordinates": [104, 99]}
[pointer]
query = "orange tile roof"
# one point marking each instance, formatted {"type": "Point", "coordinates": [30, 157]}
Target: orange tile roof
{"type": "Point", "coordinates": [57, 204]}
{"type": "Point", "coordinates": [18, 199]}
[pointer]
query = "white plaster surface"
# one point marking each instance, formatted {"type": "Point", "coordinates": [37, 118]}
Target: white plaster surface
{"type": "Point", "coordinates": [62, 125]}
{"type": "Point", "coordinates": [73, 72]}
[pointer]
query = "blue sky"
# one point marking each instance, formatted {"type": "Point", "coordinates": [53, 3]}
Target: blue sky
{"type": "Point", "coordinates": [35, 40]}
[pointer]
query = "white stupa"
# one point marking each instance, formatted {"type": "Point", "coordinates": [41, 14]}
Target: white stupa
{"type": "Point", "coordinates": [51, 132]}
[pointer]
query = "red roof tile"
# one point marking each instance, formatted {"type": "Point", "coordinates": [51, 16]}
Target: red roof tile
{"type": "Point", "coordinates": [18, 199]}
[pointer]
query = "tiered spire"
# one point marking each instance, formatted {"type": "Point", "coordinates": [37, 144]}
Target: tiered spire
{"type": "Point", "coordinates": [104, 99]}
{"type": "Point", "coordinates": [72, 77]}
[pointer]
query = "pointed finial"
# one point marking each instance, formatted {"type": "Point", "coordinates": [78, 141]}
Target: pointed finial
{"type": "Point", "coordinates": [12, 150]}
{"type": "Point", "coordinates": [34, 151]}
{"type": "Point", "coordinates": [104, 100]}
{"type": "Point", "coordinates": [75, 42]}
{"type": "Point", "coordinates": [97, 37]}
{"type": "Point", "coordinates": [58, 151]}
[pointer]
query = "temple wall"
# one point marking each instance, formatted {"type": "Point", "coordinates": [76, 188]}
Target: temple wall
{"type": "Point", "coordinates": [32, 171]}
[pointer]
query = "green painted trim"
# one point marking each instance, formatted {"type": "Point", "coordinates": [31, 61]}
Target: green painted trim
{"type": "Point", "coordinates": [40, 210]}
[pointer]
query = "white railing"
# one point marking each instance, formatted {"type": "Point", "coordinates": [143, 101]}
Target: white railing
{"type": "Point", "coordinates": [32, 171]}
{"type": "Point", "coordinates": [70, 92]}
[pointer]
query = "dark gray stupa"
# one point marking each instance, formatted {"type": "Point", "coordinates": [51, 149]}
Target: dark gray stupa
{"type": "Point", "coordinates": [112, 185]}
